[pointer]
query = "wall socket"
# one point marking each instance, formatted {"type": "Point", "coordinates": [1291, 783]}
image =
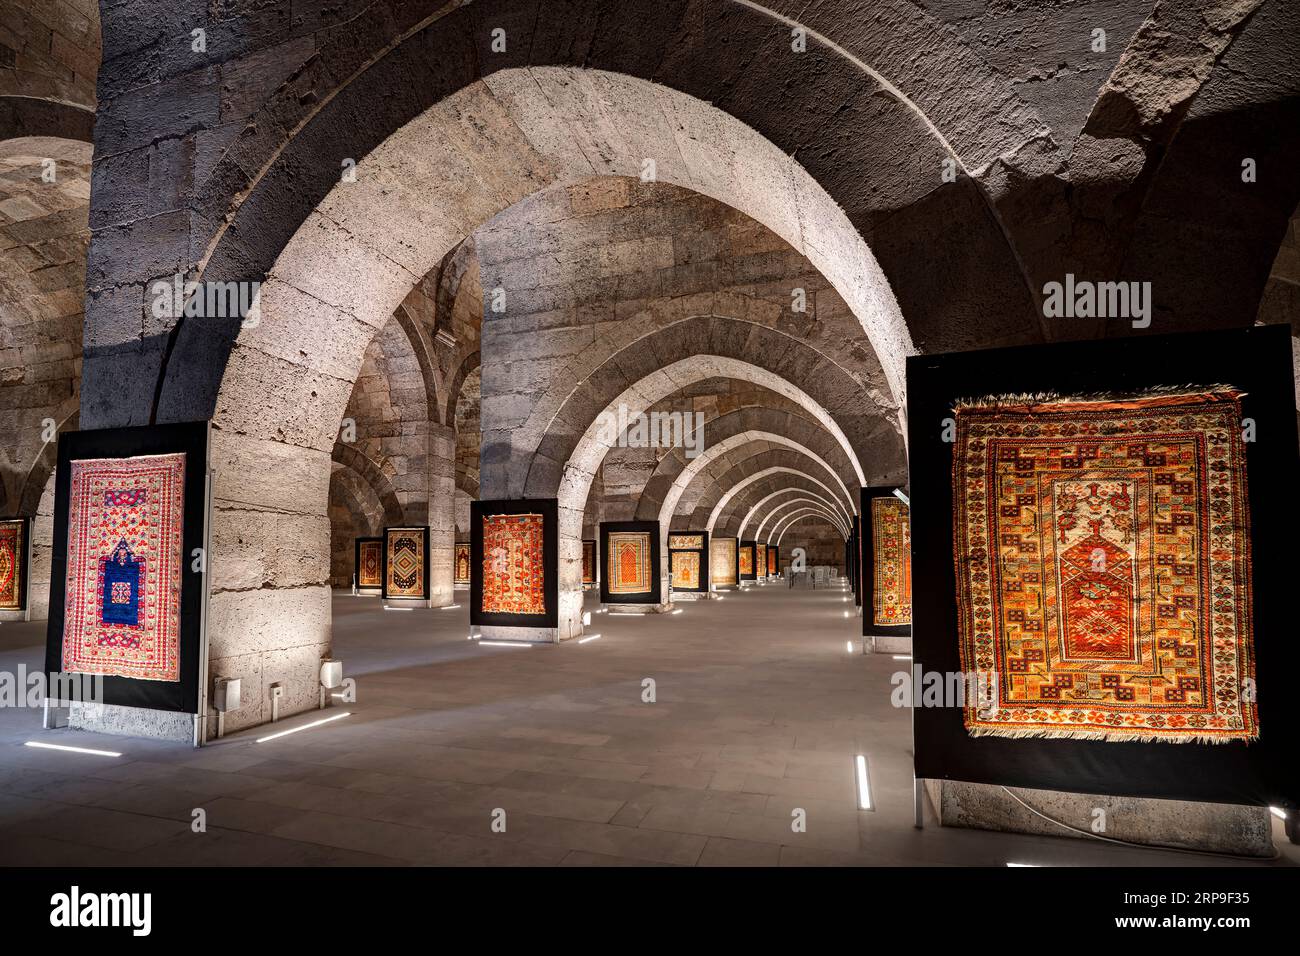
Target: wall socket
{"type": "Point", "coordinates": [277, 691]}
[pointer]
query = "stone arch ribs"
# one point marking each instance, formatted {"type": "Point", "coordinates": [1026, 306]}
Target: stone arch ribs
{"type": "Point", "coordinates": [753, 530]}
{"type": "Point", "coordinates": [745, 482]}
{"type": "Point", "coordinates": [374, 477]}
{"type": "Point", "coordinates": [729, 520]}
{"type": "Point", "coordinates": [757, 519]}
{"type": "Point", "coordinates": [774, 416]}
{"type": "Point", "coordinates": [796, 518]}
{"type": "Point", "coordinates": [808, 511]}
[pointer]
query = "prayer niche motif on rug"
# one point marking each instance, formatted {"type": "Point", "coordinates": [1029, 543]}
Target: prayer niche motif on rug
{"type": "Point", "coordinates": [370, 565]}
{"type": "Point", "coordinates": [686, 542]}
{"type": "Point", "coordinates": [685, 569]}
{"type": "Point", "coordinates": [771, 561]}
{"type": "Point", "coordinates": [629, 562]}
{"type": "Point", "coordinates": [461, 568]}
{"type": "Point", "coordinates": [13, 549]}
{"type": "Point", "coordinates": [891, 548]}
{"type": "Point", "coordinates": [746, 560]}
{"type": "Point", "coordinates": [406, 559]}
{"type": "Point", "coordinates": [514, 567]}
{"type": "Point", "coordinates": [588, 562]}
{"type": "Point", "coordinates": [1103, 562]}
{"type": "Point", "coordinates": [722, 561]}
{"type": "Point", "coordinates": [123, 584]}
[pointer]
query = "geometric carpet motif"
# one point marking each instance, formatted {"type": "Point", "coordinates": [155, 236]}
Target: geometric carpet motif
{"type": "Point", "coordinates": [514, 564]}
{"type": "Point", "coordinates": [629, 562]}
{"type": "Point", "coordinates": [588, 562]}
{"type": "Point", "coordinates": [686, 542]}
{"type": "Point", "coordinates": [722, 561]}
{"type": "Point", "coordinates": [1103, 567]}
{"type": "Point", "coordinates": [123, 584]}
{"type": "Point", "coordinates": [462, 565]}
{"type": "Point", "coordinates": [370, 570]}
{"type": "Point", "coordinates": [771, 561]}
{"type": "Point", "coordinates": [405, 562]}
{"type": "Point", "coordinates": [12, 550]}
{"type": "Point", "coordinates": [746, 560]}
{"type": "Point", "coordinates": [686, 569]}
{"type": "Point", "coordinates": [891, 543]}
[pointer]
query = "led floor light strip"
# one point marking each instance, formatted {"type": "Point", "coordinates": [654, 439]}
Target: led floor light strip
{"type": "Point", "coordinates": [504, 644]}
{"type": "Point", "coordinates": [589, 637]}
{"type": "Point", "coordinates": [864, 783]}
{"type": "Point", "coordinates": [73, 750]}
{"type": "Point", "coordinates": [294, 730]}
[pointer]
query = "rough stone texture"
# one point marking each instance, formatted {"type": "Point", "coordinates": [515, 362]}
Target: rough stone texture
{"type": "Point", "coordinates": [1213, 827]}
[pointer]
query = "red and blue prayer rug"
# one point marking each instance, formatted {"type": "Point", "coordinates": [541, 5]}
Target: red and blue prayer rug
{"type": "Point", "coordinates": [12, 548]}
{"type": "Point", "coordinates": [514, 564]}
{"type": "Point", "coordinates": [891, 552]}
{"type": "Point", "coordinates": [123, 585]}
{"type": "Point", "coordinates": [1103, 567]}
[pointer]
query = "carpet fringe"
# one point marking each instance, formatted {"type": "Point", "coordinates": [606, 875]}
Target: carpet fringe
{"type": "Point", "coordinates": [1028, 401]}
{"type": "Point", "coordinates": [1112, 736]}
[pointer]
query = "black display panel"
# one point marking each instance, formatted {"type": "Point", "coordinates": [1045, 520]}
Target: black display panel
{"type": "Point", "coordinates": [703, 552]}
{"type": "Point", "coordinates": [652, 594]}
{"type": "Point", "coordinates": [1257, 361]}
{"type": "Point", "coordinates": [867, 569]}
{"type": "Point", "coordinates": [190, 439]}
{"type": "Point", "coordinates": [548, 508]}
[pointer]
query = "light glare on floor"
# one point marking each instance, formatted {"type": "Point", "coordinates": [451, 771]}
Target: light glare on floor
{"type": "Point", "coordinates": [387, 608]}
{"type": "Point", "coordinates": [1022, 864]}
{"type": "Point", "coordinates": [1277, 812]}
{"type": "Point", "coordinates": [902, 657]}
{"type": "Point", "coordinates": [589, 637]}
{"type": "Point", "coordinates": [314, 723]}
{"type": "Point", "coordinates": [449, 607]}
{"type": "Point", "coordinates": [848, 646]}
{"type": "Point", "coordinates": [864, 783]}
{"type": "Point", "coordinates": [505, 644]}
{"type": "Point", "coordinates": [73, 750]}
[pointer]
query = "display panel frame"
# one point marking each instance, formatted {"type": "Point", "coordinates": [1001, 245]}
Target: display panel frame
{"type": "Point", "coordinates": [188, 438]}
{"type": "Point", "coordinates": [22, 562]}
{"type": "Point", "coordinates": [548, 508]}
{"type": "Point", "coordinates": [1257, 361]}
{"type": "Point", "coordinates": [703, 552]}
{"type": "Point", "coordinates": [655, 594]}
{"type": "Point", "coordinates": [750, 546]}
{"type": "Point", "coordinates": [866, 566]}
{"type": "Point", "coordinates": [392, 529]}
{"type": "Point", "coordinates": [356, 564]}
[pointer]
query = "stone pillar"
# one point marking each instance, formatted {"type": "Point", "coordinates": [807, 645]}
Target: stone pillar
{"type": "Point", "coordinates": [442, 514]}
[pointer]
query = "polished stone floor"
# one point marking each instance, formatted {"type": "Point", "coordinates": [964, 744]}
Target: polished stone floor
{"type": "Point", "coordinates": [759, 710]}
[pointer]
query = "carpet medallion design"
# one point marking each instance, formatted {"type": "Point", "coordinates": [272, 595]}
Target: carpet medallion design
{"type": "Point", "coordinates": [461, 575]}
{"type": "Point", "coordinates": [370, 569]}
{"type": "Point", "coordinates": [891, 549]}
{"type": "Point", "coordinates": [406, 559]}
{"type": "Point", "coordinates": [12, 547]}
{"type": "Point", "coordinates": [686, 569]}
{"type": "Point", "coordinates": [514, 566]}
{"type": "Point", "coordinates": [629, 562]}
{"type": "Point", "coordinates": [123, 583]}
{"type": "Point", "coordinates": [1103, 564]}
{"type": "Point", "coordinates": [722, 561]}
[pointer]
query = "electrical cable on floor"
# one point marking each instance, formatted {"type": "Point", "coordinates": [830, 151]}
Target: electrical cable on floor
{"type": "Point", "coordinates": [1141, 846]}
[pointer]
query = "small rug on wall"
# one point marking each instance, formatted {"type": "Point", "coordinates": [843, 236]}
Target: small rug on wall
{"type": "Point", "coordinates": [1103, 567]}
{"type": "Point", "coordinates": [588, 562]}
{"type": "Point", "coordinates": [514, 571]}
{"type": "Point", "coordinates": [891, 550]}
{"type": "Point", "coordinates": [722, 560]}
{"type": "Point", "coordinates": [629, 562]}
{"type": "Point", "coordinates": [462, 565]}
{"type": "Point", "coordinates": [686, 569]}
{"type": "Point", "coordinates": [123, 583]}
{"type": "Point", "coordinates": [12, 547]}
{"type": "Point", "coordinates": [370, 571]}
{"type": "Point", "coordinates": [406, 559]}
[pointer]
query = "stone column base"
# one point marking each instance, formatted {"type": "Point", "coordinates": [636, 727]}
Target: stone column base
{"type": "Point", "coordinates": [1187, 825]}
{"type": "Point", "coordinates": [531, 635]}
{"type": "Point", "coordinates": [891, 644]}
{"type": "Point", "coordinates": [662, 608]}
{"type": "Point", "coordinates": [691, 596]}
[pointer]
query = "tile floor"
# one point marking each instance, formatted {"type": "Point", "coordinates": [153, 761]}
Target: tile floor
{"type": "Point", "coordinates": [759, 710]}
